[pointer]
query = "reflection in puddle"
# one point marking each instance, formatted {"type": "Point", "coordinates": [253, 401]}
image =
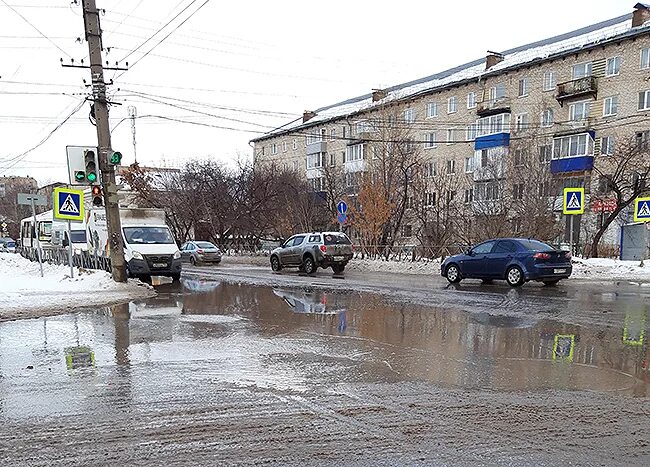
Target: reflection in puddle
{"type": "Point", "coordinates": [294, 339]}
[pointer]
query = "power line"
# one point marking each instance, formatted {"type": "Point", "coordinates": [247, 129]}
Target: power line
{"type": "Point", "coordinates": [35, 28]}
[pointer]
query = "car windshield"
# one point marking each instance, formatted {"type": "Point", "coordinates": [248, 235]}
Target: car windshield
{"type": "Point", "coordinates": [336, 239]}
{"type": "Point", "coordinates": [78, 236]}
{"type": "Point", "coordinates": [10, 244]}
{"type": "Point", "coordinates": [535, 245]}
{"type": "Point", "coordinates": [149, 235]}
{"type": "Point", "coordinates": [206, 245]}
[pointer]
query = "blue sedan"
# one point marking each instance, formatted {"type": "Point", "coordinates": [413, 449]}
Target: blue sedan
{"type": "Point", "coordinates": [517, 260]}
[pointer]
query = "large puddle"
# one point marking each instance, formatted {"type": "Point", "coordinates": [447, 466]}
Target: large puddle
{"type": "Point", "coordinates": [289, 339]}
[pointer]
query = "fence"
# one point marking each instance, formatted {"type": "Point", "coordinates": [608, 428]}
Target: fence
{"type": "Point", "coordinates": [80, 259]}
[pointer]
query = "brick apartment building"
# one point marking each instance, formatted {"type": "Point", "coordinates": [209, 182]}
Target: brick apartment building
{"type": "Point", "coordinates": [523, 122]}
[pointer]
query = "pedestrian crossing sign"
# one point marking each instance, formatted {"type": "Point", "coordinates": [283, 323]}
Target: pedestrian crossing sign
{"type": "Point", "coordinates": [68, 204]}
{"type": "Point", "coordinates": [642, 210]}
{"type": "Point", "coordinates": [574, 201]}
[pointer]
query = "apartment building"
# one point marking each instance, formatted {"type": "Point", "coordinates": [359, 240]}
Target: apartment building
{"type": "Point", "coordinates": [560, 106]}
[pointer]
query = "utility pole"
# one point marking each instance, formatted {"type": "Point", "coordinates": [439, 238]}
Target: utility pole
{"type": "Point", "coordinates": [113, 224]}
{"type": "Point", "coordinates": [133, 113]}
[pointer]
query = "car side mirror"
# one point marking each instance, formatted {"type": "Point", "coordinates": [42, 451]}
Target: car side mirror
{"type": "Point", "coordinates": [470, 252]}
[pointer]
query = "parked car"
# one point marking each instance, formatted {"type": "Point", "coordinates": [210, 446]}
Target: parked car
{"type": "Point", "coordinates": [515, 260]}
{"type": "Point", "coordinates": [199, 252]}
{"type": "Point", "coordinates": [310, 251]}
{"type": "Point", "coordinates": [7, 245]}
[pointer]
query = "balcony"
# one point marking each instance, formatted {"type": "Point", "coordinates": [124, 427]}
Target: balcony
{"type": "Point", "coordinates": [493, 107]}
{"type": "Point", "coordinates": [494, 140]}
{"type": "Point", "coordinates": [316, 147]}
{"type": "Point", "coordinates": [577, 88]}
{"type": "Point", "coordinates": [572, 164]}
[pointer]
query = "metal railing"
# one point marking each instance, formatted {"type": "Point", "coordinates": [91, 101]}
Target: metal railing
{"type": "Point", "coordinates": [60, 256]}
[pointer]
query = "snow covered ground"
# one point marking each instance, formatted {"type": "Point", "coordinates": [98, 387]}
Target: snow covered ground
{"type": "Point", "coordinates": [24, 293]}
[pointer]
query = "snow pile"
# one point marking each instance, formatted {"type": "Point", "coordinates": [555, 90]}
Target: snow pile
{"type": "Point", "coordinates": [610, 269]}
{"type": "Point", "coordinates": [23, 289]}
{"type": "Point", "coordinates": [422, 266]}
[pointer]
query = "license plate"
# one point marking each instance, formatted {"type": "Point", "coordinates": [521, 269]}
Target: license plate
{"type": "Point", "coordinates": [559, 271]}
{"type": "Point", "coordinates": [339, 258]}
{"type": "Point", "coordinates": [159, 265]}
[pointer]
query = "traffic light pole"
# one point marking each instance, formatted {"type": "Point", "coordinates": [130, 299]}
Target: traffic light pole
{"type": "Point", "coordinates": [113, 224]}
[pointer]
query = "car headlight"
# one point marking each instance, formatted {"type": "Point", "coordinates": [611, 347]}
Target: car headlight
{"type": "Point", "coordinates": [177, 254]}
{"type": "Point", "coordinates": [137, 255]}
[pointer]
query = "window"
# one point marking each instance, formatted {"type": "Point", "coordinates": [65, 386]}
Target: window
{"type": "Point", "coordinates": [544, 189]}
{"type": "Point", "coordinates": [549, 81]}
{"type": "Point", "coordinates": [274, 149]}
{"type": "Point", "coordinates": [432, 110]}
{"type": "Point", "coordinates": [523, 87]}
{"type": "Point", "coordinates": [483, 248]}
{"type": "Point", "coordinates": [430, 199]}
{"type": "Point", "coordinates": [364, 126]}
{"type": "Point", "coordinates": [354, 153]}
{"type": "Point", "coordinates": [452, 105]}
{"type": "Point", "coordinates": [613, 67]}
{"type": "Point", "coordinates": [610, 106]}
{"type": "Point", "coordinates": [343, 132]}
{"type": "Point", "coordinates": [604, 184]}
{"type": "Point", "coordinates": [295, 143]}
{"type": "Point", "coordinates": [572, 146]}
{"type": "Point", "coordinates": [263, 149]}
{"type": "Point", "coordinates": [430, 169]}
{"type": "Point", "coordinates": [451, 166]}
{"type": "Point", "coordinates": [493, 124]}
{"type": "Point", "coordinates": [314, 239]}
{"type": "Point", "coordinates": [645, 58]}
{"type": "Point", "coordinates": [409, 115]}
{"type": "Point", "coordinates": [469, 195]}
{"type": "Point", "coordinates": [450, 135]}
{"type": "Point", "coordinates": [519, 157]}
{"type": "Point", "coordinates": [579, 111]}
{"type": "Point", "coordinates": [642, 138]}
{"type": "Point", "coordinates": [581, 70]}
{"type": "Point", "coordinates": [285, 146]}
{"type": "Point", "coordinates": [315, 161]}
{"type": "Point", "coordinates": [518, 191]}
{"type": "Point", "coordinates": [407, 230]}
{"type": "Point", "coordinates": [521, 122]}
{"type": "Point", "coordinates": [505, 246]}
{"type": "Point", "coordinates": [430, 140]}
{"type": "Point", "coordinates": [547, 118]}
{"type": "Point", "coordinates": [497, 92]}
{"type": "Point", "coordinates": [644, 100]}
{"type": "Point", "coordinates": [471, 100]}
{"type": "Point", "coordinates": [607, 145]}
{"type": "Point", "coordinates": [332, 159]}
{"type": "Point", "coordinates": [333, 134]}
{"type": "Point", "coordinates": [469, 164]}
{"type": "Point", "coordinates": [472, 130]}
{"type": "Point", "coordinates": [545, 153]}
{"type": "Point", "coordinates": [450, 196]}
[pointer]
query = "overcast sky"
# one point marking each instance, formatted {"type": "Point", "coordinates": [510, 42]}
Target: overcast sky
{"type": "Point", "coordinates": [235, 69]}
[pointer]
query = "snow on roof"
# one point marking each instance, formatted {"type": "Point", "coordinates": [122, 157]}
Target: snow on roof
{"type": "Point", "coordinates": [563, 44]}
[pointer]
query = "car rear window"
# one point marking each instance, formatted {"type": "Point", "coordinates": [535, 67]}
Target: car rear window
{"type": "Point", "coordinates": [205, 245]}
{"type": "Point", "coordinates": [337, 239]}
{"type": "Point", "coordinates": [535, 245]}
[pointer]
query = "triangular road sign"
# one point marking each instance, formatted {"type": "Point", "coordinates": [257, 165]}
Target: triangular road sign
{"type": "Point", "coordinates": [68, 206]}
{"type": "Point", "coordinates": [574, 202]}
{"type": "Point", "coordinates": [644, 209]}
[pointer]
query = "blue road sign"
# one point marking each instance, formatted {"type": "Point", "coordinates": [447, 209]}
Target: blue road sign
{"type": "Point", "coordinates": [68, 204]}
{"type": "Point", "coordinates": [642, 210]}
{"type": "Point", "coordinates": [342, 207]}
{"type": "Point", "coordinates": [341, 218]}
{"type": "Point", "coordinates": [574, 201]}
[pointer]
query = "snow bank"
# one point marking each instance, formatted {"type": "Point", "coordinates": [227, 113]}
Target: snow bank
{"type": "Point", "coordinates": [23, 292]}
{"type": "Point", "coordinates": [422, 266]}
{"type": "Point", "coordinates": [610, 269]}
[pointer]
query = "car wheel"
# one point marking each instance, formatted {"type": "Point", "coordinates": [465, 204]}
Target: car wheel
{"type": "Point", "coordinates": [308, 265]}
{"type": "Point", "coordinates": [551, 283]}
{"type": "Point", "coordinates": [338, 268]}
{"type": "Point", "coordinates": [192, 261]}
{"type": "Point", "coordinates": [176, 276]}
{"type": "Point", "coordinates": [514, 276]}
{"type": "Point", "coordinates": [275, 264]}
{"type": "Point", "coordinates": [452, 274]}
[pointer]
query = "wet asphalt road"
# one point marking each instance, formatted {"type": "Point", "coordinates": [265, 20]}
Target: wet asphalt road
{"type": "Point", "coordinates": [213, 372]}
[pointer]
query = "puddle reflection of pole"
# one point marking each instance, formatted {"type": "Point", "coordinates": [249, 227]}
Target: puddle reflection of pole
{"type": "Point", "coordinates": [121, 318]}
{"type": "Point", "coordinates": [343, 321]}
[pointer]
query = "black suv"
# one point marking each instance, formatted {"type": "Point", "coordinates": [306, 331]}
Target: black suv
{"type": "Point", "coordinates": [309, 251]}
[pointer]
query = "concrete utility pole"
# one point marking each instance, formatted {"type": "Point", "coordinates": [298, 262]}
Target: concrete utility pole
{"type": "Point", "coordinates": [133, 113]}
{"type": "Point", "coordinates": [113, 224]}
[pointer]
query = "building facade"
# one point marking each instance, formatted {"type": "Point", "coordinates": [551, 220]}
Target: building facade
{"type": "Point", "coordinates": [503, 134]}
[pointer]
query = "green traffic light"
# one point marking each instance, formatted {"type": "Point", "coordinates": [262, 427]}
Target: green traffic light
{"type": "Point", "coordinates": [116, 158]}
{"type": "Point", "coordinates": [79, 176]}
{"type": "Point", "coordinates": [92, 176]}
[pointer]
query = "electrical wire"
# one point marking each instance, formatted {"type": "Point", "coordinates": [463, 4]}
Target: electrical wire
{"type": "Point", "coordinates": [35, 28]}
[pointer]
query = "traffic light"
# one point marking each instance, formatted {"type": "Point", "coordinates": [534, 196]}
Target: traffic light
{"type": "Point", "coordinates": [98, 199]}
{"type": "Point", "coordinates": [90, 163]}
{"type": "Point", "coordinates": [79, 176]}
{"type": "Point", "coordinates": [116, 158]}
